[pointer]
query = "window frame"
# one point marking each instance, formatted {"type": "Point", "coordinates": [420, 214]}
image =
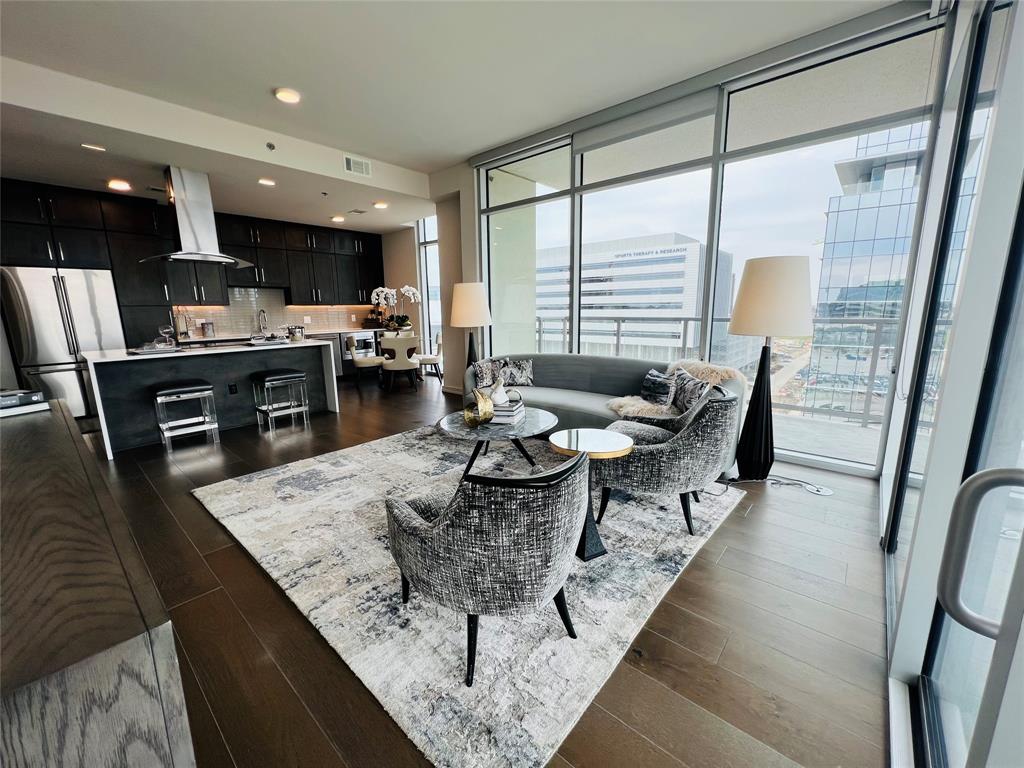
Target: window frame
{"type": "Point", "coordinates": [422, 244]}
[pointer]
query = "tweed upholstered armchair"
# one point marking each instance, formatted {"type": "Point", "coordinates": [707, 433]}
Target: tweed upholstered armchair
{"type": "Point", "coordinates": [664, 460]}
{"type": "Point", "coordinates": [502, 546]}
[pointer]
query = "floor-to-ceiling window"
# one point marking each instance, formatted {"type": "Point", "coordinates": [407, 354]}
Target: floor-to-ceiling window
{"type": "Point", "coordinates": [622, 238]}
{"type": "Point", "coordinates": [430, 271]}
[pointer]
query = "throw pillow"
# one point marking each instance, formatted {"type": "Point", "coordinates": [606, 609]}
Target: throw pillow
{"type": "Point", "coordinates": [688, 390]}
{"type": "Point", "coordinates": [516, 373]}
{"type": "Point", "coordinates": [485, 371]}
{"type": "Point", "coordinates": [658, 388]}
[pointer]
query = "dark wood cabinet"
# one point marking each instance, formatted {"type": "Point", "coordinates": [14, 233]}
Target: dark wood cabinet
{"type": "Point", "coordinates": [273, 265]}
{"type": "Point", "coordinates": [213, 284]}
{"type": "Point", "coordinates": [73, 208]}
{"type": "Point", "coordinates": [81, 248]}
{"type": "Point", "coordinates": [371, 265]}
{"type": "Point", "coordinates": [324, 278]}
{"type": "Point", "coordinates": [300, 279]}
{"type": "Point", "coordinates": [137, 214]}
{"type": "Point", "coordinates": [347, 275]}
{"type": "Point", "coordinates": [344, 241]}
{"type": "Point", "coordinates": [321, 240]}
{"type": "Point", "coordinates": [141, 324]}
{"type": "Point", "coordinates": [296, 238]}
{"type": "Point", "coordinates": [27, 245]}
{"type": "Point", "coordinates": [234, 230]}
{"type": "Point", "coordinates": [22, 201]}
{"type": "Point", "coordinates": [268, 234]}
{"type": "Point", "coordinates": [246, 277]}
{"type": "Point", "coordinates": [196, 283]}
{"type": "Point", "coordinates": [138, 284]}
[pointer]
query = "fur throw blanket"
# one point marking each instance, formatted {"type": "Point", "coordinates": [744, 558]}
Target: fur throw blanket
{"type": "Point", "coordinates": [634, 405]}
{"type": "Point", "coordinates": [713, 374]}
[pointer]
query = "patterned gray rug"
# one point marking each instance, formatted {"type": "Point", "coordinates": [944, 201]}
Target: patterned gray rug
{"type": "Point", "coordinates": [318, 527]}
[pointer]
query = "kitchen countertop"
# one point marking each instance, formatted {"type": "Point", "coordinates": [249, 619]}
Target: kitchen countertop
{"type": "Point", "coordinates": [245, 337]}
{"type": "Point", "coordinates": [122, 355]}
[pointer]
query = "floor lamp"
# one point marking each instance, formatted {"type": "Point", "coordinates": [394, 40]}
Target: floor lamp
{"type": "Point", "coordinates": [470, 310]}
{"type": "Point", "coordinates": [774, 299]}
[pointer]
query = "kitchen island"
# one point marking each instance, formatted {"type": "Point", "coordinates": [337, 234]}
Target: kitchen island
{"type": "Point", "coordinates": [122, 383]}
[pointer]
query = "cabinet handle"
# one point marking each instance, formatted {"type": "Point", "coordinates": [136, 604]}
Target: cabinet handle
{"type": "Point", "coordinates": [42, 213]}
{"type": "Point", "coordinates": [257, 234]}
{"type": "Point", "coordinates": [202, 288]}
{"type": "Point", "coordinates": [252, 239]}
{"type": "Point", "coordinates": [49, 251]}
{"type": "Point", "coordinates": [170, 318]}
{"type": "Point", "coordinates": [313, 235]}
{"type": "Point", "coordinates": [263, 275]}
{"type": "Point", "coordinates": [167, 296]}
{"type": "Point", "coordinates": [156, 224]}
{"type": "Point", "coordinates": [60, 249]}
{"type": "Point", "coordinates": [307, 240]}
{"type": "Point", "coordinates": [195, 293]}
{"type": "Point", "coordinates": [53, 214]}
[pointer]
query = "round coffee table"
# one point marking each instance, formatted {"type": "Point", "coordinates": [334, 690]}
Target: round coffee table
{"type": "Point", "coordinates": [535, 422]}
{"type": "Point", "coordinates": [598, 444]}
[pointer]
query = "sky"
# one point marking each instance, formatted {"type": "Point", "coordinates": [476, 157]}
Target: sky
{"type": "Point", "coordinates": [771, 206]}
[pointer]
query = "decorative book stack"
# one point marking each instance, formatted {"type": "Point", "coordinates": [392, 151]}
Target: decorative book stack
{"type": "Point", "coordinates": [511, 412]}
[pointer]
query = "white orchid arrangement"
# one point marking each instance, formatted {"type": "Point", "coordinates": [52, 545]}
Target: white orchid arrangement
{"type": "Point", "coordinates": [387, 299]}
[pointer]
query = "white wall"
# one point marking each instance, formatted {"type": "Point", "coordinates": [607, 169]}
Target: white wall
{"type": "Point", "coordinates": [400, 268]}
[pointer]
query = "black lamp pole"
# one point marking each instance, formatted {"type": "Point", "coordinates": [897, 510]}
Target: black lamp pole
{"type": "Point", "coordinates": [755, 452]}
{"type": "Point", "coordinates": [471, 350]}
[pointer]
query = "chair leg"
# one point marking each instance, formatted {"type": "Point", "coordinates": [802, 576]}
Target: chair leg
{"type": "Point", "coordinates": [391, 381]}
{"type": "Point", "coordinates": [440, 375]}
{"type": "Point", "coordinates": [685, 499]}
{"type": "Point", "coordinates": [411, 376]}
{"type": "Point", "coordinates": [696, 498]}
{"type": "Point", "coordinates": [563, 611]}
{"type": "Point", "coordinates": [472, 623]}
{"type": "Point", "coordinates": [605, 494]}
{"type": "Point", "coordinates": [405, 589]}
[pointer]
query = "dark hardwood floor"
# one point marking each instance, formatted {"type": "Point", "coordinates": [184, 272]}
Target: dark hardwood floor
{"type": "Point", "coordinates": [768, 650]}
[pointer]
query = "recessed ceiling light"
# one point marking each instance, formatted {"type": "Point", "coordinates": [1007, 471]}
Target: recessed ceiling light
{"type": "Point", "coordinates": [94, 147]}
{"type": "Point", "coordinates": [288, 95]}
{"type": "Point", "coordinates": [268, 182]}
{"type": "Point", "coordinates": [119, 185]}
{"type": "Point", "coordinates": [337, 219]}
{"type": "Point", "coordinates": [380, 205]}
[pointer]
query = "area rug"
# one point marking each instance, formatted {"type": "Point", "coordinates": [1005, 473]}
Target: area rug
{"type": "Point", "coordinates": [318, 528]}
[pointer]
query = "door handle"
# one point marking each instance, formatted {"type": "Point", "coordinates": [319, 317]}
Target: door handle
{"type": "Point", "coordinates": [958, 543]}
{"type": "Point", "coordinates": [71, 315]}
{"type": "Point", "coordinates": [195, 293]}
{"type": "Point", "coordinates": [49, 249]}
{"type": "Point", "coordinates": [60, 249]}
{"type": "Point", "coordinates": [63, 316]}
{"type": "Point", "coordinates": [202, 289]}
{"type": "Point", "coordinates": [167, 296]}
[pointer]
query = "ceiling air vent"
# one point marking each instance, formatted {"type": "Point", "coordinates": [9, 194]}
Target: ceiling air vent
{"type": "Point", "coordinates": [358, 166]}
{"type": "Point", "coordinates": [356, 211]}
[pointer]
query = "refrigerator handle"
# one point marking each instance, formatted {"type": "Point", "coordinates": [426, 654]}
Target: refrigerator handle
{"type": "Point", "coordinates": [63, 316]}
{"type": "Point", "coordinates": [71, 316]}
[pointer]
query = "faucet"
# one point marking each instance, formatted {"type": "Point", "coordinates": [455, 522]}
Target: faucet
{"type": "Point", "coordinates": [261, 318]}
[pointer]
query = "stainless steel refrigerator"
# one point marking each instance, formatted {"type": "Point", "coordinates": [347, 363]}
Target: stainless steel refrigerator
{"type": "Point", "coordinates": [51, 317]}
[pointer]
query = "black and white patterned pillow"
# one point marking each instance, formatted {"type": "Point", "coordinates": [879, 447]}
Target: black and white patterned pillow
{"type": "Point", "coordinates": [486, 372]}
{"type": "Point", "coordinates": [688, 390]}
{"type": "Point", "coordinates": [516, 373]}
{"type": "Point", "coordinates": [658, 387]}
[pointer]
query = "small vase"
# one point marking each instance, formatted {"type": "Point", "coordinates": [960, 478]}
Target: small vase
{"type": "Point", "coordinates": [481, 413]}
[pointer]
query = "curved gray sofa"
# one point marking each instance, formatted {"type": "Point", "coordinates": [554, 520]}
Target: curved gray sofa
{"type": "Point", "coordinates": [576, 388]}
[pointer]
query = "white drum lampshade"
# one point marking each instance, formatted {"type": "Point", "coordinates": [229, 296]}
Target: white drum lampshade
{"type": "Point", "coordinates": [774, 298]}
{"type": "Point", "coordinates": [469, 306]}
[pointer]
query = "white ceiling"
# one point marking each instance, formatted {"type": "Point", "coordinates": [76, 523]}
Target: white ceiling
{"type": "Point", "coordinates": [419, 84]}
{"type": "Point", "coordinates": [43, 147]}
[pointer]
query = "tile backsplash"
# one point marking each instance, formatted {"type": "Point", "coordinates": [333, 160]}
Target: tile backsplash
{"type": "Point", "coordinates": [239, 318]}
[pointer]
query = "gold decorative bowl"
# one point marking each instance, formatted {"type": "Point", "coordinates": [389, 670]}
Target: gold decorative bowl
{"type": "Point", "coordinates": [481, 413]}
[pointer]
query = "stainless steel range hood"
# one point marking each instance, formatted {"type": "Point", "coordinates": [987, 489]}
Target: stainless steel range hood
{"type": "Point", "coordinates": [189, 191]}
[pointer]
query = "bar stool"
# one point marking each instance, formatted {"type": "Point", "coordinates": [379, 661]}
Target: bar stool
{"type": "Point", "coordinates": [180, 391]}
{"type": "Point", "coordinates": [264, 384]}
